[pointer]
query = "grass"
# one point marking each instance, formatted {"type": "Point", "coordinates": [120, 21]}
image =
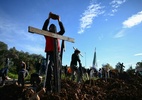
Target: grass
{"type": "Point", "coordinates": [13, 76]}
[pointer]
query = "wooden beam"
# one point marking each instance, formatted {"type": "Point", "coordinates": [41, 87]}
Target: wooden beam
{"type": "Point", "coordinates": [50, 34]}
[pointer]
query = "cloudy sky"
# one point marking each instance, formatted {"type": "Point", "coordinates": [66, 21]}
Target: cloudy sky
{"type": "Point", "coordinates": [113, 27]}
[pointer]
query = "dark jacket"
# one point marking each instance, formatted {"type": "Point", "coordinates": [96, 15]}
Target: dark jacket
{"type": "Point", "coordinates": [74, 59]}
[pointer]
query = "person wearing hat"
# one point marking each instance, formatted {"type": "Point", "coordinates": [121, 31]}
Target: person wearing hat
{"type": "Point", "coordinates": [74, 62]}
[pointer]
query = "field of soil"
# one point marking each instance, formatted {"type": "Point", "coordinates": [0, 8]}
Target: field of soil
{"type": "Point", "coordinates": [123, 88]}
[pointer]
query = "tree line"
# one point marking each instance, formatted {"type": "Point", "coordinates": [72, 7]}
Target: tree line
{"type": "Point", "coordinates": [15, 57]}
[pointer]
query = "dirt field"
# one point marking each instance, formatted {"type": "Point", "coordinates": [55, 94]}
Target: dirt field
{"type": "Point", "coordinates": [128, 88]}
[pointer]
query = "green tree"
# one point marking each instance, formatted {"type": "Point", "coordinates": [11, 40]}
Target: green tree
{"type": "Point", "coordinates": [108, 66]}
{"type": "Point", "coordinates": [130, 70]}
{"type": "Point", "coordinates": [3, 46]}
{"type": "Point", "coordinates": [139, 64]}
{"type": "Point", "coordinates": [3, 52]}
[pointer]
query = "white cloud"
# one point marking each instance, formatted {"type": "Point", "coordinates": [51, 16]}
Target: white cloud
{"type": "Point", "coordinates": [115, 4]}
{"type": "Point", "coordinates": [133, 20]}
{"type": "Point", "coordinates": [119, 34]}
{"type": "Point", "coordinates": [114, 10]}
{"type": "Point", "coordinates": [130, 22]}
{"type": "Point", "coordinates": [93, 10]}
{"type": "Point", "coordinates": [138, 54]}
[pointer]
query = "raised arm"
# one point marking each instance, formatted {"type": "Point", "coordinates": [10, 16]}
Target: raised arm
{"type": "Point", "coordinates": [46, 23]}
{"type": "Point", "coordinates": [62, 29]}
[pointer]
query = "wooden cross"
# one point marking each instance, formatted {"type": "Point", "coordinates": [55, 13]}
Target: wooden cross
{"type": "Point", "coordinates": [50, 34]}
{"type": "Point", "coordinates": [56, 62]}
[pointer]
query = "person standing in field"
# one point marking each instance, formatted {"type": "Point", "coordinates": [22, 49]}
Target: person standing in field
{"type": "Point", "coordinates": [74, 60]}
{"type": "Point", "coordinates": [49, 47]}
{"type": "Point", "coordinates": [22, 74]}
{"type": "Point", "coordinates": [3, 75]}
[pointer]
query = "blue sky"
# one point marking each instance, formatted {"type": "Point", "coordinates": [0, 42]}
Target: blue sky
{"type": "Point", "coordinates": [113, 27]}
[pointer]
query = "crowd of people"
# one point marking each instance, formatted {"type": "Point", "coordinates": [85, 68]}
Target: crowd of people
{"type": "Point", "coordinates": [73, 72]}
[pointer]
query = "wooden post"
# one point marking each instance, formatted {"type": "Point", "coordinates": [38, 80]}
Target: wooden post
{"type": "Point", "coordinates": [57, 63]}
{"type": "Point", "coordinates": [56, 68]}
{"type": "Point", "coordinates": [62, 47]}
